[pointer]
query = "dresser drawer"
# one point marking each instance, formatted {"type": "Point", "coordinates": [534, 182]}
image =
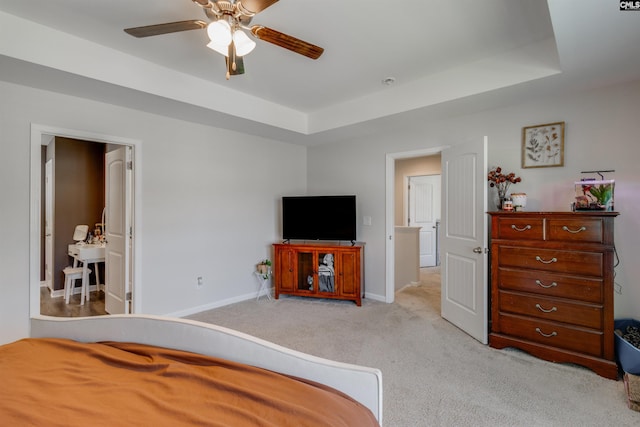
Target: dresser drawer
{"type": "Point", "coordinates": [588, 289]}
{"type": "Point", "coordinates": [552, 334]}
{"type": "Point", "coordinates": [587, 315]}
{"type": "Point", "coordinates": [575, 230]}
{"type": "Point", "coordinates": [570, 262]}
{"type": "Point", "coordinates": [519, 228]}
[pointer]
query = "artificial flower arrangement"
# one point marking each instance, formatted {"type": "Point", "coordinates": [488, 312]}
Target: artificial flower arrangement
{"type": "Point", "coordinates": [501, 182]}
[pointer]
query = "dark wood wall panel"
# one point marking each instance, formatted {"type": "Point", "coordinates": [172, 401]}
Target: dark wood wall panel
{"type": "Point", "coordinates": [79, 194]}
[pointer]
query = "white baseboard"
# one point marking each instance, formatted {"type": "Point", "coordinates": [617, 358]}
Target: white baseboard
{"type": "Point", "coordinates": [375, 297]}
{"type": "Point", "coordinates": [211, 306]}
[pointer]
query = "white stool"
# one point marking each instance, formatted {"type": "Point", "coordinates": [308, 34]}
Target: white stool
{"type": "Point", "coordinates": [71, 274]}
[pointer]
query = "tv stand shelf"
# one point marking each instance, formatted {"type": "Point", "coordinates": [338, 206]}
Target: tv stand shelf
{"type": "Point", "coordinates": [319, 270]}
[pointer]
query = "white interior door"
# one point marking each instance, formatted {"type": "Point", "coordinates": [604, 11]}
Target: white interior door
{"type": "Point", "coordinates": [464, 238]}
{"type": "Point", "coordinates": [118, 231]}
{"type": "Point", "coordinates": [48, 224]}
{"type": "Point", "coordinates": [424, 211]}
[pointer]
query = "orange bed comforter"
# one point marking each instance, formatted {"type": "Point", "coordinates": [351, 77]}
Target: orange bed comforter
{"type": "Point", "coordinates": [58, 382]}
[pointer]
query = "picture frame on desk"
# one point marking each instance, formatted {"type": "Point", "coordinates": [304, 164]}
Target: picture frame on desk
{"type": "Point", "coordinates": [543, 145]}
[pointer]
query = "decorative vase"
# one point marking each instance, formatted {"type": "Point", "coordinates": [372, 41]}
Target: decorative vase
{"type": "Point", "coordinates": [501, 197]}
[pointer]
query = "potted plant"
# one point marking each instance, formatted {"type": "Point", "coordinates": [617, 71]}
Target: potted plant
{"type": "Point", "coordinates": [603, 194]}
{"type": "Point", "coordinates": [264, 267]}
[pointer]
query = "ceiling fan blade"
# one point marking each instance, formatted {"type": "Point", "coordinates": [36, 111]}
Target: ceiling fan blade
{"type": "Point", "coordinates": [170, 27]}
{"type": "Point", "coordinates": [255, 6]}
{"type": "Point", "coordinates": [288, 42]}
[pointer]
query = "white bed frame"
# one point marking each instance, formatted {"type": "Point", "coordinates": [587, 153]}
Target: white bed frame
{"type": "Point", "coordinates": [361, 383]}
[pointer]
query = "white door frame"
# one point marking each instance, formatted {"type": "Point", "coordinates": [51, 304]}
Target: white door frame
{"type": "Point", "coordinates": [390, 212]}
{"type": "Point", "coordinates": [41, 135]}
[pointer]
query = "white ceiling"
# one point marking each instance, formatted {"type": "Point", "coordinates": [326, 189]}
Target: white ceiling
{"type": "Point", "coordinates": [445, 57]}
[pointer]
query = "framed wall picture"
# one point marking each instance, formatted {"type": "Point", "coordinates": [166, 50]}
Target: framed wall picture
{"type": "Point", "coordinates": [543, 145]}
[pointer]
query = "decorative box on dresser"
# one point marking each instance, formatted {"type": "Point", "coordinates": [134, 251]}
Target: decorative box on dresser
{"type": "Point", "coordinates": [552, 286]}
{"type": "Point", "coordinates": [321, 270]}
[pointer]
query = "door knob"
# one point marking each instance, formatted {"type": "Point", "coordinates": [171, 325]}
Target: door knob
{"type": "Point", "coordinates": [477, 250]}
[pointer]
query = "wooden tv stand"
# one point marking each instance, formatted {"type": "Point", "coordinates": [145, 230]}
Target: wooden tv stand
{"type": "Point", "coordinates": [319, 270]}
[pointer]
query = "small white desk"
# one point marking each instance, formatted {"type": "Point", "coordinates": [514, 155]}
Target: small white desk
{"type": "Point", "coordinates": [87, 254]}
{"type": "Point", "coordinates": [263, 284]}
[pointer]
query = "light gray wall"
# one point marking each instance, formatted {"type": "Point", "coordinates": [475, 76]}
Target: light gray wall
{"type": "Point", "coordinates": [210, 197]}
{"type": "Point", "coordinates": [210, 201]}
{"type": "Point", "coordinates": [602, 129]}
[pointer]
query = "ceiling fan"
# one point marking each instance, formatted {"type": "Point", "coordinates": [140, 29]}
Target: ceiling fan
{"type": "Point", "coordinates": [227, 19]}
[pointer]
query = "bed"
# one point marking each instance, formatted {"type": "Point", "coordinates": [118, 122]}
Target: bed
{"type": "Point", "coordinates": [151, 370]}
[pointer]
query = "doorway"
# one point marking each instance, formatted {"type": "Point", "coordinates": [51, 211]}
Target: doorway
{"type": "Point", "coordinates": [464, 261]}
{"type": "Point", "coordinates": [42, 136]}
{"type": "Point", "coordinates": [394, 207]}
{"type": "Point", "coordinates": [408, 203]}
{"type": "Point", "coordinates": [74, 184]}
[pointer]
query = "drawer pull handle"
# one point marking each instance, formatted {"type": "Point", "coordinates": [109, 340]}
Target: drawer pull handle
{"type": "Point", "coordinates": [544, 310]}
{"type": "Point", "coordinates": [552, 334]}
{"type": "Point", "coordinates": [542, 285]}
{"type": "Point", "coordinates": [552, 260]}
{"type": "Point", "coordinates": [565, 228]}
{"type": "Point", "coordinates": [525, 228]}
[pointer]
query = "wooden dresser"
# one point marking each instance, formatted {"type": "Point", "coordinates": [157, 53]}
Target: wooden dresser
{"type": "Point", "coordinates": [552, 286]}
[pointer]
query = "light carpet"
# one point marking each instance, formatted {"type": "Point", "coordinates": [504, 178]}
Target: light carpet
{"type": "Point", "coordinates": [433, 373]}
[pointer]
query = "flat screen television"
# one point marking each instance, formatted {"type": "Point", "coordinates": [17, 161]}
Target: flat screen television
{"type": "Point", "coordinates": [319, 218]}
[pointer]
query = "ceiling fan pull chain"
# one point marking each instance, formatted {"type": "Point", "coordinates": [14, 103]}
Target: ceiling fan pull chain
{"type": "Point", "coordinates": [231, 59]}
{"type": "Point", "coordinates": [233, 55]}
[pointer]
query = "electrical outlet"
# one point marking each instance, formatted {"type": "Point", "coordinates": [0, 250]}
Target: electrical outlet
{"type": "Point", "coordinates": [200, 282]}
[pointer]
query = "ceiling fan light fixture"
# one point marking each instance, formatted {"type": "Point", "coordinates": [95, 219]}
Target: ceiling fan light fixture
{"type": "Point", "coordinates": [243, 43]}
{"type": "Point", "coordinates": [219, 32]}
{"type": "Point", "coordinates": [222, 49]}
{"type": "Point", "coordinates": [226, 20]}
